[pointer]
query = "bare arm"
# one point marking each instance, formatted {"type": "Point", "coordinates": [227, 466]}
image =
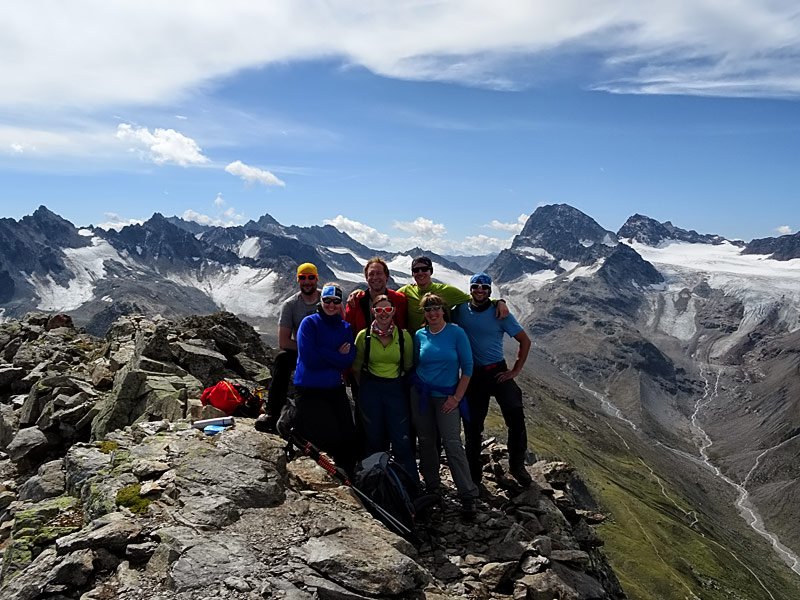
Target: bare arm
{"type": "Point", "coordinates": [501, 309]}
{"type": "Point", "coordinates": [285, 341]}
{"type": "Point", "coordinates": [522, 356]}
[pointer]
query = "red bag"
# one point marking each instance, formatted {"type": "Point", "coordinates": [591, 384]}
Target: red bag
{"type": "Point", "coordinates": [232, 399]}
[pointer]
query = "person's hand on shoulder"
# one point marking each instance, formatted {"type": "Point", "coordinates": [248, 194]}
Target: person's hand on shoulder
{"type": "Point", "coordinates": [501, 309]}
{"type": "Point", "coordinates": [352, 299]}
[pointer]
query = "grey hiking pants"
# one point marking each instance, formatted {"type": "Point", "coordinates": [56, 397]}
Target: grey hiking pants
{"type": "Point", "coordinates": [427, 422]}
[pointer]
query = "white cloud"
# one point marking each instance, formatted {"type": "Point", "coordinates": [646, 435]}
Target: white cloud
{"type": "Point", "coordinates": [483, 244]}
{"type": "Point", "coordinates": [81, 139]}
{"type": "Point", "coordinates": [253, 174]}
{"type": "Point", "coordinates": [424, 233]}
{"type": "Point", "coordinates": [114, 221]}
{"type": "Point", "coordinates": [744, 48]}
{"type": "Point", "coordinates": [163, 145]}
{"type": "Point", "coordinates": [469, 246]}
{"type": "Point", "coordinates": [226, 218]}
{"type": "Point", "coordinates": [192, 215]}
{"type": "Point", "coordinates": [421, 228]}
{"type": "Point", "coordinates": [512, 227]}
{"type": "Point", "coordinates": [784, 230]}
{"type": "Point", "coordinates": [369, 236]}
{"type": "Point", "coordinates": [231, 214]}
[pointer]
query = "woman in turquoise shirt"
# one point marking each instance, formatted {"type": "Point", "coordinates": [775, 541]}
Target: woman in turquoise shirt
{"type": "Point", "coordinates": [443, 368]}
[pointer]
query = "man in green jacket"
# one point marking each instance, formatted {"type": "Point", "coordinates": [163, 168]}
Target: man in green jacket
{"type": "Point", "coordinates": [422, 270]}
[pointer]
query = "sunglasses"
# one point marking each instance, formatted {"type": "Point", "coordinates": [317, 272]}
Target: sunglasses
{"type": "Point", "coordinates": [480, 286]}
{"type": "Point", "coordinates": [383, 310]}
{"type": "Point", "coordinates": [331, 300]}
{"type": "Point", "coordinates": [420, 269]}
{"type": "Point", "coordinates": [306, 277]}
{"type": "Point", "coordinates": [432, 307]}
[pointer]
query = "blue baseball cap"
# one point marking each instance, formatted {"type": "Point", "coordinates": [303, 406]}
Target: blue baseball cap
{"type": "Point", "coordinates": [481, 279]}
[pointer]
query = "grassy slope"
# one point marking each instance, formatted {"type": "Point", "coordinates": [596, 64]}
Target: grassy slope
{"type": "Point", "coordinates": [653, 549]}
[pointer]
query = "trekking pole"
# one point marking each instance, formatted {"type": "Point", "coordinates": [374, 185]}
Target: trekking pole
{"type": "Point", "coordinates": [338, 473]}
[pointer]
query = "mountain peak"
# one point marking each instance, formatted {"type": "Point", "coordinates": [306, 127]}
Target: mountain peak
{"type": "Point", "coordinates": [267, 219]}
{"type": "Point", "coordinates": [53, 229]}
{"type": "Point", "coordinates": [785, 247]}
{"type": "Point", "coordinates": [562, 232]}
{"type": "Point", "coordinates": [650, 232]}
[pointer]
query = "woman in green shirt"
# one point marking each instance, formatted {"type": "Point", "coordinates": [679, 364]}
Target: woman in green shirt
{"type": "Point", "coordinates": [384, 354]}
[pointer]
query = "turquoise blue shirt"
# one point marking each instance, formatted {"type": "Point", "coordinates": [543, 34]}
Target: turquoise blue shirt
{"type": "Point", "coordinates": [443, 357]}
{"type": "Point", "coordinates": [485, 332]}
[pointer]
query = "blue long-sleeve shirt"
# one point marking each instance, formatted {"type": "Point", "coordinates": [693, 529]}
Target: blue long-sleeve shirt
{"type": "Point", "coordinates": [319, 362]}
{"type": "Point", "coordinates": [442, 357]}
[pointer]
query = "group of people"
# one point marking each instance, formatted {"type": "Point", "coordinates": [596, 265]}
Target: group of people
{"type": "Point", "coordinates": [420, 361]}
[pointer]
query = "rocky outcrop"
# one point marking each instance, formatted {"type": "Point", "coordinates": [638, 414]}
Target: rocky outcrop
{"type": "Point", "coordinates": [109, 493]}
{"type": "Point", "coordinates": [77, 387]}
{"type": "Point", "coordinates": [785, 247]}
{"type": "Point", "coordinates": [154, 511]}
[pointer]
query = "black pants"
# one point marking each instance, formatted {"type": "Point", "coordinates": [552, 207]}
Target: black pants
{"type": "Point", "coordinates": [482, 385]}
{"type": "Point", "coordinates": [324, 419]}
{"type": "Point", "coordinates": [285, 362]}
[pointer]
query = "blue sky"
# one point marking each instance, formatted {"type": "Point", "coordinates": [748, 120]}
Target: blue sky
{"type": "Point", "coordinates": [441, 124]}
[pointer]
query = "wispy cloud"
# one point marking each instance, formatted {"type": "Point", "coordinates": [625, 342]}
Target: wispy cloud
{"type": "Point", "coordinates": [225, 218]}
{"type": "Point", "coordinates": [163, 145]}
{"type": "Point", "coordinates": [369, 236]}
{"type": "Point", "coordinates": [420, 232]}
{"type": "Point", "coordinates": [253, 175]}
{"type": "Point", "coordinates": [469, 246]}
{"type": "Point", "coordinates": [202, 219]}
{"type": "Point", "coordinates": [705, 47]}
{"type": "Point", "coordinates": [784, 230]}
{"type": "Point", "coordinates": [79, 139]}
{"type": "Point", "coordinates": [427, 234]}
{"type": "Point", "coordinates": [483, 244]}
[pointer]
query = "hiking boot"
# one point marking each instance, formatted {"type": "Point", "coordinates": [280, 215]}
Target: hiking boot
{"type": "Point", "coordinates": [468, 509]}
{"type": "Point", "coordinates": [266, 424]}
{"type": "Point", "coordinates": [520, 473]}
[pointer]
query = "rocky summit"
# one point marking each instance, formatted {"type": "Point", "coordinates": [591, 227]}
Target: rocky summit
{"type": "Point", "coordinates": [106, 490]}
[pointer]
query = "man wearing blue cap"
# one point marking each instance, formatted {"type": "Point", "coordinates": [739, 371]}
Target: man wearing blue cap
{"type": "Point", "coordinates": [492, 377]}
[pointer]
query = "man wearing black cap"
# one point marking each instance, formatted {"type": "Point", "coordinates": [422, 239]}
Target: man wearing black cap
{"type": "Point", "coordinates": [422, 270]}
{"type": "Point", "coordinates": [492, 377]}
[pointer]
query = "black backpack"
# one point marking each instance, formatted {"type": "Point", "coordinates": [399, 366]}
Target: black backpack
{"type": "Point", "coordinates": [389, 486]}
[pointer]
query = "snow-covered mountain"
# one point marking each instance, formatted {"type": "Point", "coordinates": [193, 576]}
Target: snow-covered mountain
{"type": "Point", "coordinates": [686, 345]}
{"type": "Point", "coordinates": [688, 340]}
{"type": "Point", "coordinates": [175, 267]}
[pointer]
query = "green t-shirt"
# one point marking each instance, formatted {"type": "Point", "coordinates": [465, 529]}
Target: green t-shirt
{"type": "Point", "coordinates": [385, 362]}
{"type": "Point", "coordinates": [451, 295]}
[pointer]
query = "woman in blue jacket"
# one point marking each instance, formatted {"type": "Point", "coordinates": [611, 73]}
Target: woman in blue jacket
{"type": "Point", "coordinates": [325, 348]}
